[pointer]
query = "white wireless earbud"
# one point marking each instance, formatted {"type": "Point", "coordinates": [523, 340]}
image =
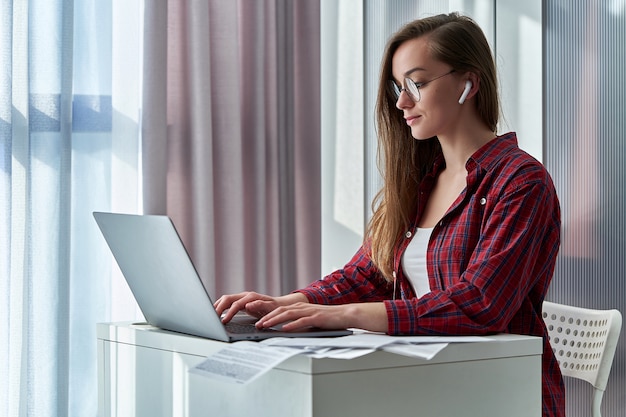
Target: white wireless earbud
{"type": "Point", "coordinates": [468, 87]}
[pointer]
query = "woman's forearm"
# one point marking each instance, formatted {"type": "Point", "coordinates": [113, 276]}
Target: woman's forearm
{"type": "Point", "coordinates": [367, 316]}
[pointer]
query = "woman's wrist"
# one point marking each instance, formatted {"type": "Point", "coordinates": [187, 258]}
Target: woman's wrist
{"type": "Point", "coordinates": [367, 316]}
{"type": "Point", "coordinates": [294, 297]}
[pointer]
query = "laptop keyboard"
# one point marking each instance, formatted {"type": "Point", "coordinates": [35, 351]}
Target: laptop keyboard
{"type": "Point", "coordinates": [243, 328]}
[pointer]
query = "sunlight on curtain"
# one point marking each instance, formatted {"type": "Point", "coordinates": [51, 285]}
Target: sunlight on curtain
{"type": "Point", "coordinates": [343, 124]}
{"type": "Point", "coordinates": [519, 60]}
{"type": "Point", "coordinates": [69, 135]}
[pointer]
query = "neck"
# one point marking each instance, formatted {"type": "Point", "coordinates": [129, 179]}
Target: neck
{"type": "Point", "coordinates": [457, 148]}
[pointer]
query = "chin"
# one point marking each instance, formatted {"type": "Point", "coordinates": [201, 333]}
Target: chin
{"type": "Point", "coordinates": [421, 136]}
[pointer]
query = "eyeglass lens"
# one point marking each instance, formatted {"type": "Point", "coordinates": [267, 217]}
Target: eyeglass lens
{"type": "Point", "coordinates": [411, 88]}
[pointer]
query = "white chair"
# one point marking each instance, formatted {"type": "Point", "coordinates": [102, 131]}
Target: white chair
{"type": "Point", "coordinates": [584, 342]}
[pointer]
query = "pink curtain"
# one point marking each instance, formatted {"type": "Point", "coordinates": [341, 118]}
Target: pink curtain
{"type": "Point", "coordinates": [238, 169]}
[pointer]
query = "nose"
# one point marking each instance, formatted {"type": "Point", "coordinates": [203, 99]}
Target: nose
{"type": "Point", "coordinates": [404, 100]}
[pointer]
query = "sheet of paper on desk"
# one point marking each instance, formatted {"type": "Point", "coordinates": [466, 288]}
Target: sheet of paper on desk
{"type": "Point", "coordinates": [363, 342]}
{"type": "Point", "coordinates": [368, 340]}
{"type": "Point", "coordinates": [423, 351]}
{"type": "Point", "coordinates": [358, 340]}
{"type": "Point", "coordinates": [243, 362]}
{"type": "Point", "coordinates": [338, 353]}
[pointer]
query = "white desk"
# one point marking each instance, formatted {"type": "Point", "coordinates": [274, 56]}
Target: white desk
{"type": "Point", "coordinates": [142, 371]}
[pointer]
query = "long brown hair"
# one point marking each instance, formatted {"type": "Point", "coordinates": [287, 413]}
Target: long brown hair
{"type": "Point", "coordinates": [403, 161]}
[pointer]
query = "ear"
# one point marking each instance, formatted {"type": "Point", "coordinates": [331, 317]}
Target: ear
{"type": "Point", "coordinates": [466, 91]}
{"type": "Point", "coordinates": [471, 87]}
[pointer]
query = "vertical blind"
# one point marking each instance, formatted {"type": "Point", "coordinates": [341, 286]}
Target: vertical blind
{"type": "Point", "coordinates": [584, 139]}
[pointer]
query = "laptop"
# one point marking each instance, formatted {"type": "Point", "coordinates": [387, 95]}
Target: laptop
{"type": "Point", "coordinates": [166, 285]}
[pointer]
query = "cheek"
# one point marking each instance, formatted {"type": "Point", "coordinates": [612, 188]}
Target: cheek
{"type": "Point", "coordinates": [443, 96]}
{"type": "Point", "coordinates": [432, 123]}
{"type": "Point", "coordinates": [439, 109]}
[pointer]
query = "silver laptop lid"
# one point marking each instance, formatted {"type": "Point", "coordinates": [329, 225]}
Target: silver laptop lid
{"type": "Point", "coordinates": [166, 285]}
{"type": "Point", "coordinates": [160, 274]}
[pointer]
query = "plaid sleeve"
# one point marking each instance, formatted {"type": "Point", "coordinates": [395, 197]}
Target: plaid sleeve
{"type": "Point", "coordinates": [359, 280]}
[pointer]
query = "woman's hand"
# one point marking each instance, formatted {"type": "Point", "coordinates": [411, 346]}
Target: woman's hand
{"type": "Point", "coordinates": [368, 316]}
{"type": "Point", "coordinates": [253, 303]}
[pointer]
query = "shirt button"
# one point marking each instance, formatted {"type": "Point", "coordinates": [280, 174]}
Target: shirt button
{"type": "Point", "coordinates": [483, 201]}
{"type": "Point", "coordinates": [408, 234]}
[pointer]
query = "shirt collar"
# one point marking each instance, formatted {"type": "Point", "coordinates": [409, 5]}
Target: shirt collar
{"type": "Point", "coordinates": [486, 156]}
{"type": "Point", "coordinates": [491, 152]}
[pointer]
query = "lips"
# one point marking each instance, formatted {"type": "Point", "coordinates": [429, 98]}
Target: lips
{"type": "Point", "coordinates": [411, 119]}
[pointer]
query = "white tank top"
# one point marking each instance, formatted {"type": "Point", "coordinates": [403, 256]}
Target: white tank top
{"type": "Point", "coordinates": [414, 261]}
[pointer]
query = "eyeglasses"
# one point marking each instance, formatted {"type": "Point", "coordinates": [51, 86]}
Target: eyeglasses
{"type": "Point", "coordinates": [412, 88]}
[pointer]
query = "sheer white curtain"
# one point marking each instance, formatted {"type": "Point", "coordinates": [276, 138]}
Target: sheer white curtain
{"type": "Point", "coordinates": [69, 144]}
{"type": "Point", "coordinates": [206, 110]}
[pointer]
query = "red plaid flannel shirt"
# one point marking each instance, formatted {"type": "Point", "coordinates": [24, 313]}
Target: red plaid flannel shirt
{"type": "Point", "coordinates": [490, 260]}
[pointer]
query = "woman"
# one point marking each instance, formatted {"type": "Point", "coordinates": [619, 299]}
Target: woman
{"type": "Point", "coordinates": [466, 229]}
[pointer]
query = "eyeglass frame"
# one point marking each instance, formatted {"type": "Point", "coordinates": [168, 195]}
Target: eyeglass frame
{"type": "Point", "coordinates": [409, 85]}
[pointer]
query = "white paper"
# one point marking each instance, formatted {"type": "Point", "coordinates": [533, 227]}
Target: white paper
{"type": "Point", "coordinates": [336, 353]}
{"type": "Point", "coordinates": [359, 340]}
{"type": "Point", "coordinates": [366, 340]}
{"type": "Point", "coordinates": [440, 339]}
{"type": "Point", "coordinates": [423, 351]}
{"type": "Point", "coordinates": [243, 362]}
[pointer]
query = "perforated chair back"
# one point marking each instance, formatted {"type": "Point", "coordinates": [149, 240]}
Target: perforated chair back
{"type": "Point", "coordinates": [584, 342]}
